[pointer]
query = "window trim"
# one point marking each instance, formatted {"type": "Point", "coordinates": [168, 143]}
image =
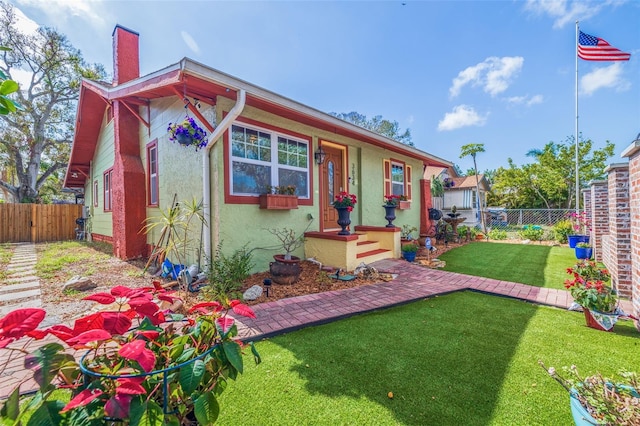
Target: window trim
{"type": "Point", "coordinates": [107, 190]}
{"type": "Point", "coordinates": [153, 146]}
{"type": "Point", "coordinates": [387, 166]}
{"type": "Point", "coordinates": [230, 198]}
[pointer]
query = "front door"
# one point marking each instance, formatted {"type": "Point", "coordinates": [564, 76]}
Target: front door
{"type": "Point", "coordinates": [333, 182]}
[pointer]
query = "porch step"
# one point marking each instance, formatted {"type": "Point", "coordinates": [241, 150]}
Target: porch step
{"type": "Point", "coordinates": [367, 246]}
{"type": "Point", "coordinates": [374, 255]}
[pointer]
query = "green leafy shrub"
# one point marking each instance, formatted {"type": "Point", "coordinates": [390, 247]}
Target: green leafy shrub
{"type": "Point", "coordinates": [410, 248]}
{"type": "Point", "coordinates": [226, 274]}
{"type": "Point", "coordinates": [531, 232]}
{"type": "Point", "coordinates": [562, 230]}
{"type": "Point", "coordinates": [497, 234]}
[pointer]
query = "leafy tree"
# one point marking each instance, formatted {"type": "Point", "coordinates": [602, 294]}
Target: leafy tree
{"type": "Point", "coordinates": [377, 124]}
{"type": "Point", "coordinates": [472, 149]}
{"type": "Point", "coordinates": [41, 134]}
{"type": "Point", "coordinates": [549, 182]}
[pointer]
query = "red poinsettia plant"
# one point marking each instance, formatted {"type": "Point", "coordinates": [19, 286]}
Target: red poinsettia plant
{"type": "Point", "coordinates": [589, 287]}
{"type": "Point", "coordinates": [142, 364]}
{"type": "Point", "coordinates": [344, 199]}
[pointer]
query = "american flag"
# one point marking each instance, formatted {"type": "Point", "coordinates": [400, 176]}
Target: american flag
{"type": "Point", "coordinates": [592, 48]}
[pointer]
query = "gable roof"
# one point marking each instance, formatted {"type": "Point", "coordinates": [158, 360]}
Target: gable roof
{"type": "Point", "coordinates": [469, 182]}
{"type": "Point", "coordinates": [192, 79]}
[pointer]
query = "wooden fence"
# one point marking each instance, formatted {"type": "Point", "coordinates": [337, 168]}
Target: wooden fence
{"type": "Point", "coordinates": [38, 222]}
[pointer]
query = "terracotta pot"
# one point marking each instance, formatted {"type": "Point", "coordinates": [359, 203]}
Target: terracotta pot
{"type": "Point", "coordinates": [285, 271]}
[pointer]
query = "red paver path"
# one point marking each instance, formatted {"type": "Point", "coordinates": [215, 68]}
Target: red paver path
{"type": "Point", "coordinates": [413, 283]}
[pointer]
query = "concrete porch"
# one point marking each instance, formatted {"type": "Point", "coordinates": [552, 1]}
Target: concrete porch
{"type": "Point", "coordinates": [365, 244]}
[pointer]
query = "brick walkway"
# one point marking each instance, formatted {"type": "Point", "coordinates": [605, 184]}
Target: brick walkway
{"type": "Point", "coordinates": [412, 283]}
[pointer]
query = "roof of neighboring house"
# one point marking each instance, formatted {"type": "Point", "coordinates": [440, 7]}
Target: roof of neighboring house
{"type": "Point", "coordinates": [467, 182]}
{"type": "Point", "coordinates": [189, 78]}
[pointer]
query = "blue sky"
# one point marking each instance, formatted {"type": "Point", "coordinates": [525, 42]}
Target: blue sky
{"type": "Point", "coordinates": [501, 73]}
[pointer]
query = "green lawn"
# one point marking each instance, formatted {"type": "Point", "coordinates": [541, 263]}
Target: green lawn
{"type": "Point", "coordinates": [460, 359]}
{"type": "Point", "coordinates": [537, 265]}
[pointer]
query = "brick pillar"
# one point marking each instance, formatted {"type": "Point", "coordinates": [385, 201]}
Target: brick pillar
{"type": "Point", "coordinates": [620, 227]}
{"type": "Point", "coordinates": [129, 196]}
{"type": "Point", "coordinates": [425, 205]}
{"type": "Point", "coordinates": [632, 152]}
{"type": "Point", "coordinates": [597, 205]}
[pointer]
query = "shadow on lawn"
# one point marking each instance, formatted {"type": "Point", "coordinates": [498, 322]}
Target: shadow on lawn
{"type": "Point", "coordinates": [444, 359]}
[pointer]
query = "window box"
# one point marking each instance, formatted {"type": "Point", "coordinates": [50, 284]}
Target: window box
{"type": "Point", "coordinates": [404, 205]}
{"type": "Point", "coordinates": [278, 202]}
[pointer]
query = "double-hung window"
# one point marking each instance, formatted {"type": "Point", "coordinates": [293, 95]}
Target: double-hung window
{"type": "Point", "coordinates": [261, 158]}
{"type": "Point", "coordinates": [397, 178]}
{"type": "Point", "coordinates": [95, 193]}
{"type": "Point", "coordinates": [108, 180]}
{"type": "Point", "coordinates": [152, 173]}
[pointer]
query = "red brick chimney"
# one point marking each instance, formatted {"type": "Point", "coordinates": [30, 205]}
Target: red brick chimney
{"type": "Point", "coordinates": [128, 184]}
{"type": "Point", "coordinates": [126, 55]}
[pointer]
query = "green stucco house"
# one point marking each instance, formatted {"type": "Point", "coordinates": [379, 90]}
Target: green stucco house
{"type": "Point", "coordinates": [129, 169]}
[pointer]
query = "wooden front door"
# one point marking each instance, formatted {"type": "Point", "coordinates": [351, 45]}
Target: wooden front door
{"type": "Point", "coordinates": [333, 182]}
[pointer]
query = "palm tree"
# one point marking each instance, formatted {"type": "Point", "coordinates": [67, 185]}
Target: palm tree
{"type": "Point", "coordinates": [471, 150]}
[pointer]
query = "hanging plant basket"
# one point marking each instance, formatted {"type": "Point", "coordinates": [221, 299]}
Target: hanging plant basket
{"type": "Point", "coordinates": [188, 133]}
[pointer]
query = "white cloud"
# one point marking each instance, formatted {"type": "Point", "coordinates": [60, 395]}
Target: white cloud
{"type": "Point", "coordinates": [461, 116]}
{"type": "Point", "coordinates": [190, 42]}
{"type": "Point", "coordinates": [605, 77]}
{"type": "Point", "coordinates": [525, 100]}
{"type": "Point", "coordinates": [565, 12]}
{"type": "Point", "coordinates": [60, 10]}
{"type": "Point", "coordinates": [493, 74]}
{"type": "Point", "coordinates": [25, 25]}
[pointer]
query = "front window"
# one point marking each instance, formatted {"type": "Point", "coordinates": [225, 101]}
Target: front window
{"type": "Point", "coordinates": [261, 158]}
{"type": "Point", "coordinates": [397, 179]}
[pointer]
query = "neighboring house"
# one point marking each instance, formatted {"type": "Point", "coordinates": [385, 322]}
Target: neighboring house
{"type": "Point", "coordinates": [130, 171]}
{"type": "Point", "coordinates": [461, 192]}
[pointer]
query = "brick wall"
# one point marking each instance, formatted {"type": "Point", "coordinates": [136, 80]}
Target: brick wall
{"type": "Point", "coordinates": [633, 154]}
{"type": "Point", "coordinates": [620, 227]}
{"type": "Point", "coordinates": [595, 201]}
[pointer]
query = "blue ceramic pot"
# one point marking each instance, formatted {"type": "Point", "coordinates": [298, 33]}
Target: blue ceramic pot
{"type": "Point", "coordinates": [409, 256]}
{"type": "Point", "coordinates": [584, 252]}
{"type": "Point", "coordinates": [575, 239]}
{"type": "Point", "coordinates": [581, 416]}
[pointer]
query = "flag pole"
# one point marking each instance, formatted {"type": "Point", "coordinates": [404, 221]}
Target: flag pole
{"type": "Point", "coordinates": [576, 134]}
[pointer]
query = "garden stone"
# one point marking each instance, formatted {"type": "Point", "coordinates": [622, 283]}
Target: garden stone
{"type": "Point", "coordinates": [79, 283]}
{"type": "Point", "coordinates": [252, 293]}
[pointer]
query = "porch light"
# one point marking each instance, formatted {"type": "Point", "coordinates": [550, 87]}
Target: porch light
{"type": "Point", "coordinates": [319, 155]}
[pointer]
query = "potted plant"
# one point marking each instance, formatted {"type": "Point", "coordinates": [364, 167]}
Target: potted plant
{"type": "Point", "coordinates": [344, 204]}
{"type": "Point", "coordinates": [590, 290]}
{"type": "Point", "coordinates": [581, 226]}
{"type": "Point", "coordinates": [286, 268]}
{"type": "Point", "coordinates": [407, 234]}
{"type": "Point", "coordinates": [583, 250]}
{"type": "Point", "coordinates": [390, 204]}
{"type": "Point", "coordinates": [142, 360]}
{"type": "Point", "coordinates": [409, 251]}
{"type": "Point", "coordinates": [279, 198]}
{"type": "Point", "coordinates": [187, 133]}
{"type": "Point", "coordinates": [596, 399]}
